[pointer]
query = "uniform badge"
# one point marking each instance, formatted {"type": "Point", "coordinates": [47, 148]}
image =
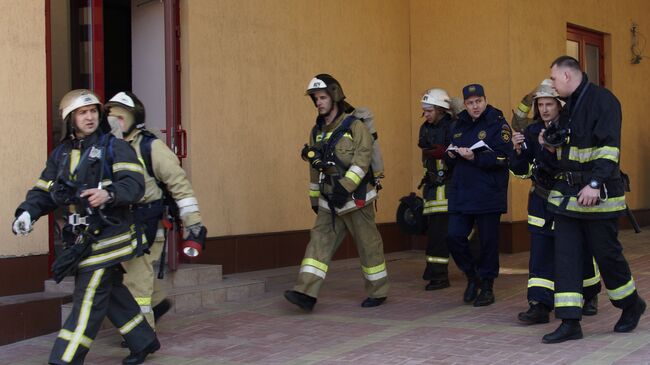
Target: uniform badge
{"type": "Point", "coordinates": [457, 135]}
{"type": "Point", "coordinates": [505, 135]}
{"type": "Point", "coordinates": [481, 135]}
{"type": "Point", "coordinates": [95, 153]}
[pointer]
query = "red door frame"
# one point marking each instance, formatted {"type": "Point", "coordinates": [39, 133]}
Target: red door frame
{"type": "Point", "coordinates": [48, 92]}
{"type": "Point", "coordinates": [175, 134]}
{"type": "Point", "coordinates": [97, 33]}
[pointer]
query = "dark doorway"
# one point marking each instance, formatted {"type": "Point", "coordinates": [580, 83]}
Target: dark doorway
{"type": "Point", "coordinates": [117, 47]}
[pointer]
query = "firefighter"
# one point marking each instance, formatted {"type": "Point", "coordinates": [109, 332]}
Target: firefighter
{"type": "Point", "coordinates": [162, 175]}
{"type": "Point", "coordinates": [532, 161]}
{"type": "Point", "coordinates": [342, 194]}
{"type": "Point", "coordinates": [587, 199]}
{"type": "Point", "coordinates": [435, 136]}
{"type": "Point", "coordinates": [94, 178]}
{"type": "Point", "coordinates": [479, 152]}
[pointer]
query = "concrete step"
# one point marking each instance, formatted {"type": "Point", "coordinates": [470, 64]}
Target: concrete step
{"type": "Point", "coordinates": [187, 275]}
{"type": "Point", "coordinates": [66, 286]}
{"type": "Point", "coordinates": [191, 298]}
{"type": "Point", "coordinates": [212, 294]}
{"type": "Point", "coordinates": [25, 316]}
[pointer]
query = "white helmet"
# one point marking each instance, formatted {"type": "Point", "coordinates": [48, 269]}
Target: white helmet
{"type": "Point", "coordinates": [75, 99]}
{"type": "Point", "coordinates": [437, 97]}
{"type": "Point", "coordinates": [546, 90]}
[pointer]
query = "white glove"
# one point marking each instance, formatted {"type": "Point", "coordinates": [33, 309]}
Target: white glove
{"type": "Point", "coordinates": [194, 229]}
{"type": "Point", "coordinates": [23, 224]}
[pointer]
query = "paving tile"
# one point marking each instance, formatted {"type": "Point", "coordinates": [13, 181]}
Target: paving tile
{"type": "Point", "coordinates": [414, 327]}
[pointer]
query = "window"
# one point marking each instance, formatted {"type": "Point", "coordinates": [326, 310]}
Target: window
{"type": "Point", "coordinates": [587, 46]}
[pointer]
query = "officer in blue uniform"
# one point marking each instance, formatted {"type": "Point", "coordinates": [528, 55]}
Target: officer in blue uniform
{"type": "Point", "coordinates": [479, 152]}
{"type": "Point", "coordinates": [532, 161]}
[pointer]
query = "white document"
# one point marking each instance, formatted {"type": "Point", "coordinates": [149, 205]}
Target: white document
{"type": "Point", "coordinates": [479, 146]}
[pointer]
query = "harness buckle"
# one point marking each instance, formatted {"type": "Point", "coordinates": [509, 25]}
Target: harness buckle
{"type": "Point", "coordinates": [569, 177]}
{"type": "Point", "coordinates": [76, 220]}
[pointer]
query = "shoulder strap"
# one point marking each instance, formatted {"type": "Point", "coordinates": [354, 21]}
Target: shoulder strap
{"type": "Point", "coordinates": [145, 151]}
{"type": "Point", "coordinates": [106, 141]}
{"type": "Point", "coordinates": [343, 128]}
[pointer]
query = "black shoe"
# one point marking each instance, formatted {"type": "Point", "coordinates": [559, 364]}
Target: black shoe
{"type": "Point", "coordinates": [486, 296]}
{"type": "Point", "coordinates": [536, 313]}
{"type": "Point", "coordinates": [590, 307]}
{"type": "Point", "coordinates": [160, 309]}
{"type": "Point", "coordinates": [630, 317]}
{"type": "Point", "coordinates": [568, 330]}
{"type": "Point", "coordinates": [437, 284]}
{"type": "Point", "coordinates": [373, 302]}
{"type": "Point", "coordinates": [138, 357]}
{"type": "Point", "coordinates": [304, 301]}
{"type": "Point", "coordinates": [471, 291]}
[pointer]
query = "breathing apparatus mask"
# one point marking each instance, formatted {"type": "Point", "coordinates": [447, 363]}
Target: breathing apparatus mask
{"type": "Point", "coordinates": [314, 156]}
{"type": "Point", "coordinates": [556, 136]}
{"type": "Point", "coordinates": [66, 192]}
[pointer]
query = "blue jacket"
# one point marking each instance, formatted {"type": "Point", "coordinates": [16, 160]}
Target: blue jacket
{"type": "Point", "coordinates": [481, 186]}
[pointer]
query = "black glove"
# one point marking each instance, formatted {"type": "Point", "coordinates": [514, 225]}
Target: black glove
{"type": "Point", "coordinates": [339, 196]}
{"type": "Point", "coordinates": [315, 208]}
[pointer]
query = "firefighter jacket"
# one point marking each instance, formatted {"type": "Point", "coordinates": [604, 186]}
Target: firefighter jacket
{"type": "Point", "coordinates": [433, 140]}
{"type": "Point", "coordinates": [99, 160]}
{"type": "Point", "coordinates": [168, 171]}
{"type": "Point", "coordinates": [481, 185]}
{"type": "Point", "coordinates": [539, 165]}
{"type": "Point", "coordinates": [591, 152]}
{"type": "Point", "coordinates": [354, 153]}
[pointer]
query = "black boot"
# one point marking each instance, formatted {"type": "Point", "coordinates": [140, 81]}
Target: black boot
{"type": "Point", "coordinates": [486, 296]}
{"type": "Point", "coordinates": [471, 291]}
{"type": "Point", "coordinates": [304, 301]}
{"type": "Point", "coordinates": [373, 302]}
{"type": "Point", "coordinates": [437, 284]}
{"type": "Point", "coordinates": [160, 309]}
{"type": "Point", "coordinates": [136, 358]}
{"type": "Point", "coordinates": [569, 330]}
{"type": "Point", "coordinates": [630, 317]}
{"type": "Point", "coordinates": [536, 313]}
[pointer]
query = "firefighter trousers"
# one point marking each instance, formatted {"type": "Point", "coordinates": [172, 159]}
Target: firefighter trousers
{"type": "Point", "coordinates": [325, 240]}
{"type": "Point", "coordinates": [142, 278]}
{"type": "Point", "coordinates": [98, 294]}
{"type": "Point", "coordinates": [460, 227]}
{"type": "Point", "coordinates": [541, 285]}
{"type": "Point", "coordinates": [600, 237]}
{"type": "Point", "coordinates": [437, 252]}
